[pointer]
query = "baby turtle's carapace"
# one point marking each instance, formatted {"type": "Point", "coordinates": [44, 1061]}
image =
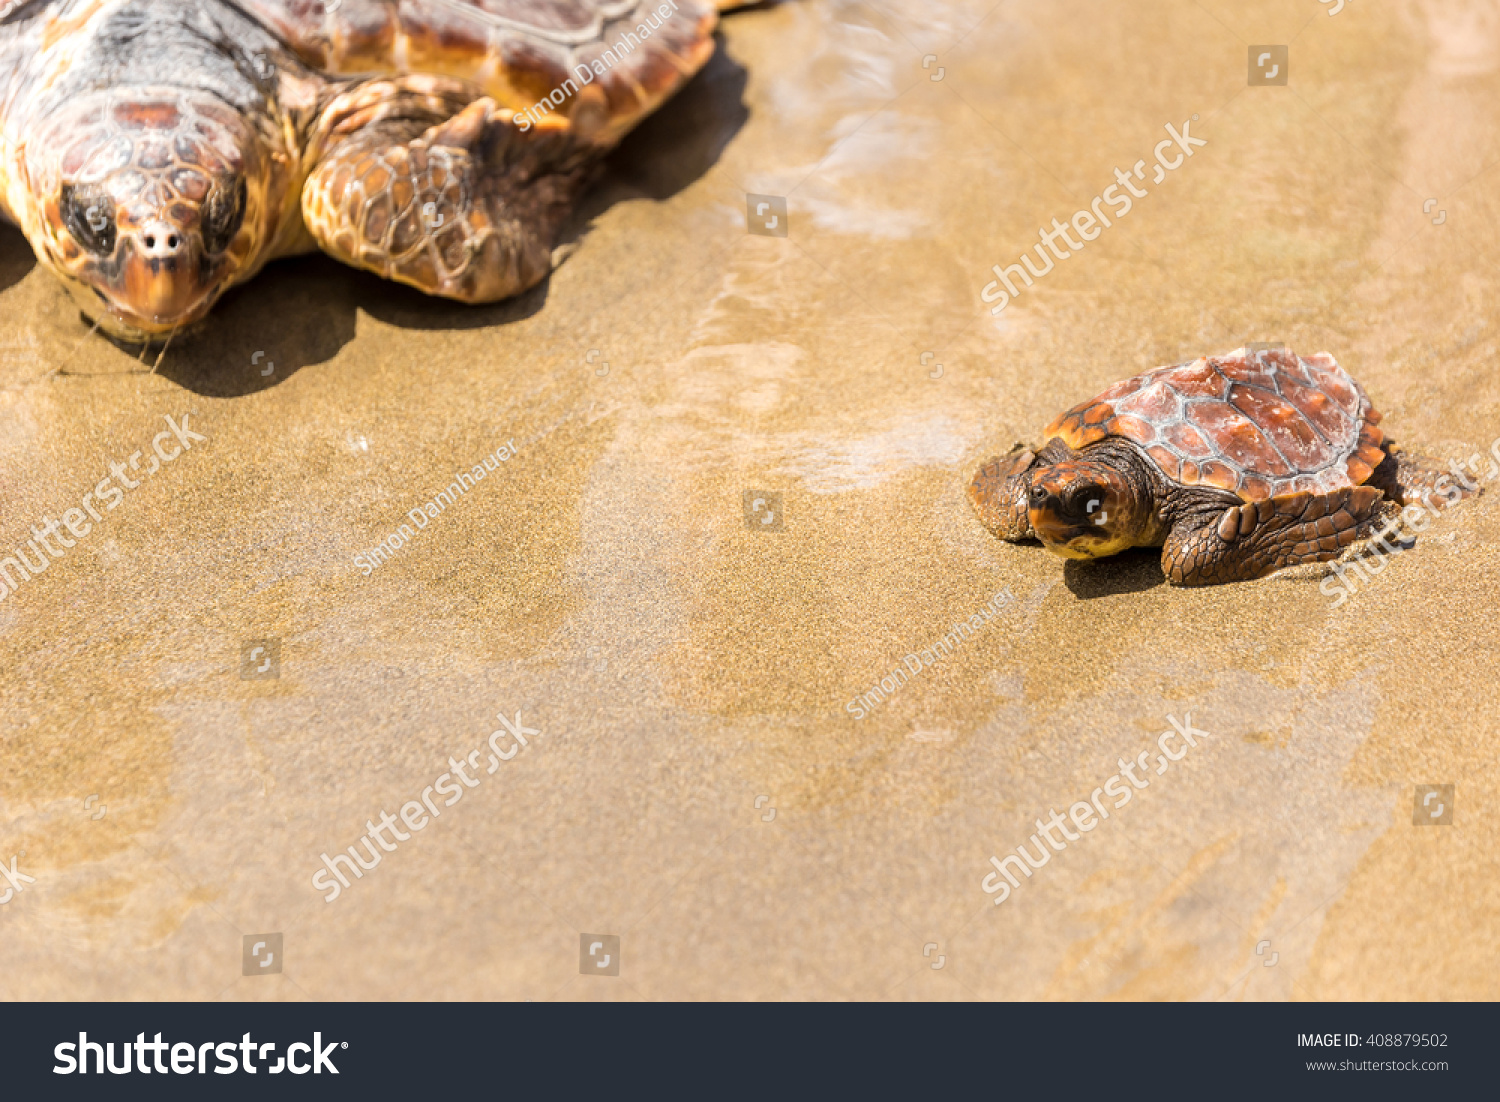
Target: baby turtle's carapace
{"type": "Point", "coordinates": [1234, 465]}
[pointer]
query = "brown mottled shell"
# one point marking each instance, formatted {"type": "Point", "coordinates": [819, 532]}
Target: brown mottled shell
{"type": "Point", "coordinates": [1258, 424]}
{"type": "Point", "coordinates": [517, 51]}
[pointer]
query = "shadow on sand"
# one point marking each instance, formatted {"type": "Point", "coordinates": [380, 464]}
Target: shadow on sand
{"type": "Point", "coordinates": [16, 260]}
{"type": "Point", "coordinates": [1133, 571]}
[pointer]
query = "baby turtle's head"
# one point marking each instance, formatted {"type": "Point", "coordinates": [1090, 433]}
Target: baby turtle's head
{"type": "Point", "coordinates": [1085, 509]}
{"type": "Point", "coordinates": [148, 203]}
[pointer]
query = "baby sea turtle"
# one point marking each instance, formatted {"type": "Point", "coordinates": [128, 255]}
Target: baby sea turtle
{"type": "Point", "coordinates": [1234, 465]}
{"type": "Point", "coordinates": [157, 152]}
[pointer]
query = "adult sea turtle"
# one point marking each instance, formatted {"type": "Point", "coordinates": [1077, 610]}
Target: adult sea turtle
{"type": "Point", "coordinates": [158, 152]}
{"type": "Point", "coordinates": [1235, 465]}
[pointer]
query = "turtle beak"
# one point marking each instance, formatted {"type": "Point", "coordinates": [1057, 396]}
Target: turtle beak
{"type": "Point", "coordinates": [1064, 537]}
{"type": "Point", "coordinates": [157, 282]}
{"type": "Point", "coordinates": [160, 279]}
{"type": "Point", "coordinates": [1075, 526]}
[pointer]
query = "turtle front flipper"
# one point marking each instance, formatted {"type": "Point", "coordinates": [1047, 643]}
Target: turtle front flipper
{"type": "Point", "coordinates": [1253, 539]}
{"type": "Point", "coordinates": [451, 197]}
{"type": "Point", "coordinates": [999, 491]}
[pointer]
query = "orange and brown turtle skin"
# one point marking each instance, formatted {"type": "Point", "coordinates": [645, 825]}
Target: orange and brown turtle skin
{"type": "Point", "coordinates": [1235, 465]}
{"type": "Point", "coordinates": [157, 152]}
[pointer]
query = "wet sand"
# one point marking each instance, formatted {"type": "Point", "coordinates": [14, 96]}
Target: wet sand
{"type": "Point", "coordinates": [681, 664]}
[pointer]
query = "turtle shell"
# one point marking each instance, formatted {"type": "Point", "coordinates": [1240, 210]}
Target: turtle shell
{"type": "Point", "coordinates": [1258, 424]}
{"type": "Point", "coordinates": [605, 64]}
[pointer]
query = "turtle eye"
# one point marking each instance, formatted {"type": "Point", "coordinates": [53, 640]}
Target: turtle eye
{"type": "Point", "coordinates": [89, 214]}
{"type": "Point", "coordinates": [223, 214]}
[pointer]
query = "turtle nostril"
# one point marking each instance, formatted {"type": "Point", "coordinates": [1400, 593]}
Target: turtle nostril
{"type": "Point", "coordinates": [160, 240]}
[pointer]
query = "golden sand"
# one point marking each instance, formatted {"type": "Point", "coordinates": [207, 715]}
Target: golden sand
{"type": "Point", "coordinates": [683, 664]}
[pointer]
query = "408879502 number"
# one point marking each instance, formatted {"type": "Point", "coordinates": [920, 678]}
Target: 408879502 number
{"type": "Point", "coordinates": [1404, 1040]}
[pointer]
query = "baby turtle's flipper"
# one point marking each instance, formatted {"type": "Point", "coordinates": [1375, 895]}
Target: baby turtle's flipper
{"type": "Point", "coordinates": [999, 492]}
{"type": "Point", "coordinates": [1251, 540]}
{"type": "Point", "coordinates": [1408, 479]}
{"type": "Point", "coordinates": [453, 198]}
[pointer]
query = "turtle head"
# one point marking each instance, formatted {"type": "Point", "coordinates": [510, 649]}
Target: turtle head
{"type": "Point", "coordinates": [1084, 509]}
{"type": "Point", "coordinates": [148, 204]}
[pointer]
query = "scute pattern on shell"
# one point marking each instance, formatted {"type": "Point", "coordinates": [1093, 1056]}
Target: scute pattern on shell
{"type": "Point", "coordinates": [1259, 424]}
{"type": "Point", "coordinates": [180, 146]}
{"type": "Point", "coordinates": [517, 51]}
